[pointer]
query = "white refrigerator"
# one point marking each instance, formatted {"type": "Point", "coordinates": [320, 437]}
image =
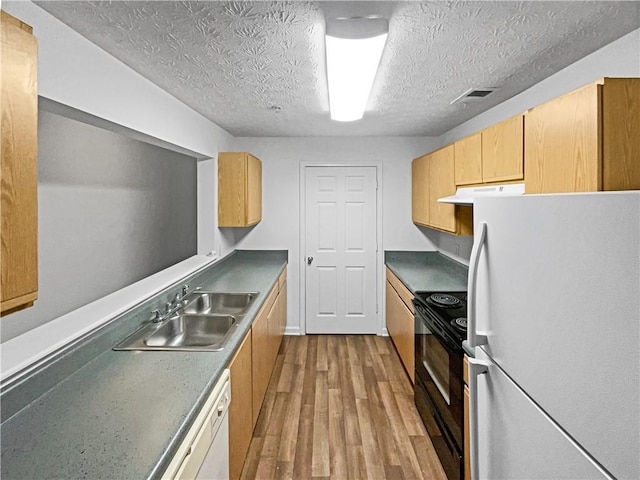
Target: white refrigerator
{"type": "Point", "coordinates": [554, 315]}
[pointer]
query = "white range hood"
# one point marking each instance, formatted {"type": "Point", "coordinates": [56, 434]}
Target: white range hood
{"type": "Point", "coordinates": [467, 195]}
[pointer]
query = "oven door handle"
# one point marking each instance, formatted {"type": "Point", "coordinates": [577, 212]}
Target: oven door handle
{"type": "Point", "coordinates": [476, 367]}
{"type": "Point", "coordinates": [473, 338]}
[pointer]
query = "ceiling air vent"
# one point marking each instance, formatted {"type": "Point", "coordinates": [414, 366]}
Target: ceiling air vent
{"type": "Point", "coordinates": [474, 94]}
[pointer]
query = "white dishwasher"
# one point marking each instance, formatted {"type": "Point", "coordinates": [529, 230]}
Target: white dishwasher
{"type": "Point", "coordinates": [204, 453]}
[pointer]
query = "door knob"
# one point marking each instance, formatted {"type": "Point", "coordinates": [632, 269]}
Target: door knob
{"type": "Point", "coordinates": [309, 260]}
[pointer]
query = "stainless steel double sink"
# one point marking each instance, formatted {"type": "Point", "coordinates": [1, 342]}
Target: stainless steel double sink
{"type": "Point", "coordinates": [204, 322]}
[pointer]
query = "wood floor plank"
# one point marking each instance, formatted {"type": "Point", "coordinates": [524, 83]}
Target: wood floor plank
{"type": "Point", "coordinates": [337, 443]}
{"type": "Point", "coordinates": [372, 454]}
{"type": "Point", "coordinates": [288, 440]}
{"type": "Point", "coordinates": [284, 470]}
{"type": "Point", "coordinates": [355, 462]}
{"type": "Point", "coordinates": [333, 361]}
{"type": "Point", "coordinates": [320, 465]}
{"type": "Point", "coordinates": [304, 445]}
{"type": "Point", "coordinates": [322, 364]}
{"type": "Point", "coordinates": [309, 388]}
{"type": "Point", "coordinates": [351, 425]}
{"type": "Point", "coordinates": [340, 407]}
{"type": "Point", "coordinates": [427, 458]}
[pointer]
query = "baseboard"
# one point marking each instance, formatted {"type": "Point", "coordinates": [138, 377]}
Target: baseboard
{"type": "Point", "coordinates": [293, 330]}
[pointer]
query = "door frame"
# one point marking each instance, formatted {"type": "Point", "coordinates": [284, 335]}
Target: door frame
{"type": "Point", "coordinates": [380, 327]}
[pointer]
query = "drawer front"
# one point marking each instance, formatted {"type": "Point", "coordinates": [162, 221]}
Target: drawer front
{"type": "Point", "coordinates": [402, 291]}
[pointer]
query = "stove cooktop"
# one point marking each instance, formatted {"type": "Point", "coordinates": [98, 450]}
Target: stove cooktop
{"type": "Point", "coordinates": [450, 309]}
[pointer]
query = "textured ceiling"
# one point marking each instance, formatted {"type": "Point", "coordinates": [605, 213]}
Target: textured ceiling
{"type": "Point", "coordinates": [257, 68]}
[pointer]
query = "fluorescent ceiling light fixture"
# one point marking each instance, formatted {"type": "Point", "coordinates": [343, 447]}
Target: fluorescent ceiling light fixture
{"type": "Point", "coordinates": [351, 68]}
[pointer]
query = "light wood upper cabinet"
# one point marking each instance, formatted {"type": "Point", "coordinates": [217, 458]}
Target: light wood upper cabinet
{"type": "Point", "coordinates": [493, 155]}
{"type": "Point", "coordinates": [586, 140]}
{"type": "Point", "coordinates": [442, 184]}
{"type": "Point", "coordinates": [468, 160]}
{"type": "Point", "coordinates": [18, 169]}
{"type": "Point", "coordinates": [420, 190]}
{"type": "Point", "coordinates": [240, 409]}
{"type": "Point", "coordinates": [432, 177]}
{"type": "Point", "coordinates": [502, 151]}
{"type": "Point", "coordinates": [239, 189]}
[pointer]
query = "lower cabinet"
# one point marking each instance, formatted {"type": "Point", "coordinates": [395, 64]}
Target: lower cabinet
{"type": "Point", "coordinates": [251, 369]}
{"type": "Point", "coordinates": [467, 443]}
{"type": "Point", "coordinates": [240, 423]}
{"type": "Point", "coordinates": [400, 322]}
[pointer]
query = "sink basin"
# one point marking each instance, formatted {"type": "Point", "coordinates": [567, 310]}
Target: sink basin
{"type": "Point", "coordinates": [186, 332]}
{"type": "Point", "coordinates": [221, 303]}
{"type": "Point", "coordinates": [203, 323]}
{"type": "Point", "coordinates": [192, 331]}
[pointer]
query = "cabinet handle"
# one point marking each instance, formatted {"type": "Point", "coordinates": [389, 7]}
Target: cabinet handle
{"type": "Point", "coordinates": [472, 335]}
{"type": "Point", "coordinates": [309, 260]}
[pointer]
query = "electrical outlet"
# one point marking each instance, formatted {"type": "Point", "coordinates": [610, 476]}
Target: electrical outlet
{"type": "Point", "coordinates": [456, 249]}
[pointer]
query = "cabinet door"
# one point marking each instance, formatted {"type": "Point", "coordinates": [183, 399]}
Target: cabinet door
{"type": "Point", "coordinates": [254, 190]}
{"type": "Point", "coordinates": [468, 160]}
{"type": "Point", "coordinates": [240, 417]}
{"type": "Point", "coordinates": [239, 189]}
{"type": "Point", "coordinates": [283, 309]}
{"type": "Point", "coordinates": [420, 190]}
{"type": "Point", "coordinates": [274, 331]}
{"type": "Point", "coordinates": [441, 184]}
{"type": "Point", "coordinates": [621, 134]}
{"type": "Point", "coordinates": [401, 329]}
{"type": "Point", "coordinates": [261, 365]}
{"type": "Point", "coordinates": [502, 151]}
{"type": "Point", "coordinates": [561, 145]}
{"type": "Point", "coordinates": [19, 198]}
{"type": "Point", "coordinates": [232, 184]}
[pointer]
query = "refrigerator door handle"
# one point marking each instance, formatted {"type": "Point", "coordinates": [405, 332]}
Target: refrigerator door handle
{"type": "Point", "coordinates": [473, 338]}
{"type": "Point", "coordinates": [476, 367]}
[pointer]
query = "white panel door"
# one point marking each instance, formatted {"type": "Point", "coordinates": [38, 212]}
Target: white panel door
{"type": "Point", "coordinates": [340, 250]}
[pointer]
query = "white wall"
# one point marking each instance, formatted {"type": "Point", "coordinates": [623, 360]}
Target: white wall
{"type": "Point", "coordinates": [111, 211]}
{"type": "Point", "coordinates": [96, 88]}
{"type": "Point", "coordinates": [280, 226]}
{"type": "Point", "coordinates": [78, 80]}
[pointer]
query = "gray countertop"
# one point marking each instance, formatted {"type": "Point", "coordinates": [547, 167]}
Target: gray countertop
{"type": "Point", "coordinates": [123, 414]}
{"type": "Point", "coordinates": [427, 271]}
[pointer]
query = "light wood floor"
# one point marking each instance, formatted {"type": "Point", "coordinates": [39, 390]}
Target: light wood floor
{"type": "Point", "coordinates": [340, 407]}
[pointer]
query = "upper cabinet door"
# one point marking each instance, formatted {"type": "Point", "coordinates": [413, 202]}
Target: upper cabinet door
{"type": "Point", "coordinates": [586, 140]}
{"type": "Point", "coordinates": [19, 204]}
{"type": "Point", "coordinates": [442, 184]}
{"type": "Point", "coordinates": [239, 189]}
{"type": "Point", "coordinates": [468, 160]}
{"type": "Point", "coordinates": [502, 151]}
{"type": "Point", "coordinates": [420, 190]}
{"type": "Point", "coordinates": [561, 144]}
{"type": "Point", "coordinates": [254, 190]}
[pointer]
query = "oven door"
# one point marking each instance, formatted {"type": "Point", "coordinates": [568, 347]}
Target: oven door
{"type": "Point", "coordinates": [438, 392]}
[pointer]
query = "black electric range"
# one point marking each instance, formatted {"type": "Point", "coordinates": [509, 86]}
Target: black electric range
{"type": "Point", "coordinates": [440, 329]}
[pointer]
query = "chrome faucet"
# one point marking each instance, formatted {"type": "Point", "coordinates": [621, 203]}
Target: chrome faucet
{"type": "Point", "coordinates": [170, 308]}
